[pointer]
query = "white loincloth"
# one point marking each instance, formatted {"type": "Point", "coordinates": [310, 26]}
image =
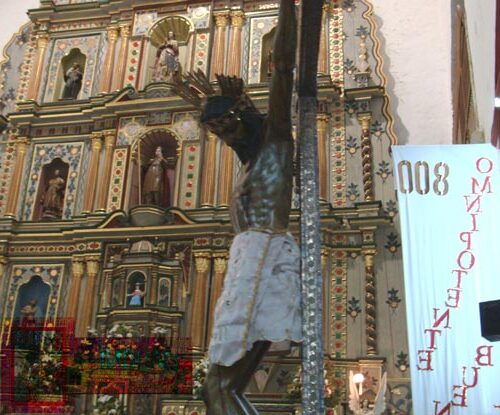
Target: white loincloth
{"type": "Point", "coordinates": [261, 296]}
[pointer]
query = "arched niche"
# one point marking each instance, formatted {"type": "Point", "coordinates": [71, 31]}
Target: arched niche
{"type": "Point", "coordinates": [183, 30]}
{"type": "Point", "coordinates": [164, 291]}
{"type": "Point", "coordinates": [75, 56]}
{"type": "Point", "coordinates": [32, 301]}
{"type": "Point", "coordinates": [51, 190]}
{"type": "Point", "coordinates": [266, 60]}
{"type": "Point", "coordinates": [136, 289]}
{"type": "Point", "coordinates": [144, 165]}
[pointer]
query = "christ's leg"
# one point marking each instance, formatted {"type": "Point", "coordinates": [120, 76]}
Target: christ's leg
{"type": "Point", "coordinates": [224, 386]}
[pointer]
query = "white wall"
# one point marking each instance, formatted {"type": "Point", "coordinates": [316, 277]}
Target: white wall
{"type": "Point", "coordinates": [12, 17]}
{"type": "Point", "coordinates": [481, 29]}
{"type": "Point", "coordinates": [417, 45]}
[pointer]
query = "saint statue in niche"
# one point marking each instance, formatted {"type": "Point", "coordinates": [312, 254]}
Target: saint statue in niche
{"type": "Point", "coordinates": [167, 66]}
{"type": "Point", "coordinates": [72, 82]}
{"type": "Point", "coordinates": [28, 313]}
{"type": "Point", "coordinates": [136, 296]}
{"type": "Point", "coordinates": [54, 197]}
{"type": "Point", "coordinates": [155, 181]}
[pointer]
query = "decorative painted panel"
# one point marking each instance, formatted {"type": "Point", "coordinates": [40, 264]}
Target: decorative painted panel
{"type": "Point", "coordinates": [200, 16]}
{"type": "Point", "coordinates": [52, 275]}
{"type": "Point", "coordinates": [7, 162]}
{"type": "Point", "coordinates": [130, 129]}
{"type": "Point", "coordinates": [15, 70]}
{"type": "Point", "coordinates": [89, 46]}
{"type": "Point", "coordinates": [259, 27]}
{"type": "Point", "coordinates": [186, 125]}
{"type": "Point", "coordinates": [189, 173]}
{"type": "Point", "coordinates": [201, 51]}
{"type": "Point", "coordinates": [133, 62]}
{"type": "Point", "coordinates": [118, 177]}
{"type": "Point", "coordinates": [70, 153]}
{"type": "Point", "coordinates": [144, 21]}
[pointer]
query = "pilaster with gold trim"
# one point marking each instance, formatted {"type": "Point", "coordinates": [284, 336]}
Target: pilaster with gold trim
{"type": "Point", "coordinates": [325, 256]}
{"type": "Point", "coordinates": [109, 61]}
{"type": "Point", "coordinates": [220, 265]}
{"type": "Point", "coordinates": [90, 188]}
{"type": "Point", "coordinates": [219, 48]}
{"type": "Point", "coordinates": [199, 303]}
{"type": "Point", "coordinates": [3, 266]}
{"type": "Point", "coordinates": [365, 119]}
{"type": "Point", "coordinates": [234, 54]}
{"type": "Point", "coordinates": [209, 169]}
{"type": "Point", "coordinates": [109, 146]}
{"type": "Point", "coordinates": [322, 123]}
{"type": "Point", "coordinates": [22, 145]}
{"type": "Point", "coordinates": [323, 53]}
{"type": "Point", "coordinates": [77, 271]}
{"type": "Point", "coordinates": [85, 320]}
{"type": "Point", "coordinates": [225, 175]}
{"type": "Point", "coordinates": [119, 76]}
{"type": "Point", "coordinates": [42, 41]}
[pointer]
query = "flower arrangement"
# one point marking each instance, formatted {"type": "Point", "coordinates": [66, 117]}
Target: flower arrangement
{"type": "Point", "coordinates": [108, 405]}
{"type": "Point", "coordinates": [294, 392]}
{"type": "Point", "coordinates": [199, 374]}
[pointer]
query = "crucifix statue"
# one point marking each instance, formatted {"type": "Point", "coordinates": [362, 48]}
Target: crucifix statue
{"type": "Point", "coordinates": [260, 304]}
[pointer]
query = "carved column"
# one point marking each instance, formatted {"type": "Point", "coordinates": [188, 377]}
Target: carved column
{"type": "Point", "coordinates": [75, 287]}
{"type": "Point", "coordinates": [90, 188]}
{"type": "Point", "coordinates": [85, 320]}
{"type": "Point", "coordinates": [106, 296]}
{"type": "Point", "coordinates": [226, 175]}
{"type": "Point", "coordinates": [325, 254]}
{"type": "Point", "coordinates": [234, 53]}
{"type": "Point", "coordinates": [219, 49]}
{"type": "Point", "coordinates": [370, 302]}
{"type": "Point", "coordinates": [322, 123]}
{"type": "Point", "coordinates": [220, 265]}
{"type": "Point", "coordinates": [209, 168]}
{"type": "Point", "coordinates": [199, 308]}
{"type": "Point", "coordinates": [109, 147]}
{"type": "Point", "coordinates": [42, 42]}
{"type": "Point", "coordinates": [365, 119]}
{"type": "Point", "coordinates": [22, 145]}
{"type": "Point", "coordinates": [3, 264]}
{"type": "Point", "coordinates": [119, 76]}
{"type": "Point", "coordinates": [109, 61]}
{"type": "Point", "coordinates": [322, 55]}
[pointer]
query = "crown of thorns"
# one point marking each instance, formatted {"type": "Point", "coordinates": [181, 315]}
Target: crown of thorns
{"type": "Point", "coordinates": [196, 88]}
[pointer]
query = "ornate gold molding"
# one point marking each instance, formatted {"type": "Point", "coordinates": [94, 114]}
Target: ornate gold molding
{"type": "Point", "coordinates": [370, 301]}
{"type": "Point", "coordinates": [365, 119]}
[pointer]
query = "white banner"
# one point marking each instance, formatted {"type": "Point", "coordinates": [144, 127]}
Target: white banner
{"type": "Point", "coordinates": [450, 214]}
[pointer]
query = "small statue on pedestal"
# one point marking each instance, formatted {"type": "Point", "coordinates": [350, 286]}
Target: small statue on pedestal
{"type": "Point", "coordinates": [167, 66]}
{"type": "Point", "coordinates": [54, 197]}
{"type": "Point", "coordinates": [72, 82]}
{"type": "Point", "coordinates": [155, 180]}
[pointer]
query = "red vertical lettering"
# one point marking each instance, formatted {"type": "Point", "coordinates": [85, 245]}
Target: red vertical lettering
{"type": "Point", "coordinates": [460, 273]}
{"type": "Point", "coordinates": [425, 357]}
{"type": "Point", "coordinates": [445, 315]}
{"type": "Point", "coordinates": [480, 163]}
{"type": "Point", "coordinates": [474, 222]}
{"type": "Point", "coordinates": [445, 411]}
{"type": "Point", "coordinates": [467, 238]}
{"type": "Point", "coordinates": [453, 300]}
{"type": "Point", "coordinates": [466, 260]}
{"type": "Point", "coordinates": [475, 377]}
{"type": "Point", "coordinates": [483, 356]}
{"type": "Point", "coordinates": [433, 333]}
{"type": "Point", "coordinates": [461, 396]}
{"type": "Point", "coordinates": [474, 202]}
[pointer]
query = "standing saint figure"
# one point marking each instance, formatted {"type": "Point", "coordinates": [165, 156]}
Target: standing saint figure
{"type": "Point", "coordinates": [28, 313]}
{"type": "Point", "coordinates": [136, 296]}
{"type": "Point", "coordinates": [260, 302]}
{"type": "Point", "coordinates": [54, 197]}
{"type": "Point", "coordinates": [167, 66]}
{"type": "Point", "coordinates": [155, 181]}
{"type": "Point", "coordinates": [72, 82]}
